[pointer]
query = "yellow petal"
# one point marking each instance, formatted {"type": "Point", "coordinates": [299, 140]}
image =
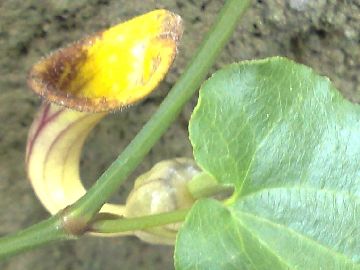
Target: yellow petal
{"type": "Point", "coordinates": [113, 68]}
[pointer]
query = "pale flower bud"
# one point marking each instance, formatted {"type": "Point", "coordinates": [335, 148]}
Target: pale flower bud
{"type": "Point", "coordinates": [162, 189]}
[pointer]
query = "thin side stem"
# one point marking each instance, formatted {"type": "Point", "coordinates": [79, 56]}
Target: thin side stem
{"type": "Point", "coordinates": [167, 112]}
{"type": "Point", "coordinates": [138, 223]}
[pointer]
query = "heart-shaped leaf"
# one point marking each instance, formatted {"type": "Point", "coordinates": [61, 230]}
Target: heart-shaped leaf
{"type": "Point", "coordinates": [290, 144]}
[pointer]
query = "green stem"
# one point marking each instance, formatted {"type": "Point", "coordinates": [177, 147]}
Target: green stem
{"type": "Point", "coordinates": [167, 112]}
{"type": "Point", "coordinates": [45, 232]}
{"type": "Point", "coordinates": [204, 185]}
{"type": "Point", "coordinates": [138, 223]}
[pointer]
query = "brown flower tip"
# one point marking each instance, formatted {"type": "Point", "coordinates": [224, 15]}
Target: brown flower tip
{"type": "Point", "coordinates": [110, 69]}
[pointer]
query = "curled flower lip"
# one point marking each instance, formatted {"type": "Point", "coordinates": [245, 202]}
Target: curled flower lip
{"type": "Point", "coordinates": [113, 68]}
{"type": "Point", "coordinates": [80, 85]}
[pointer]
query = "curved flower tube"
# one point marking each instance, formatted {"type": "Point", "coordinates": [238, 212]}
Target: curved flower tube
{"type": "Point", "coordinates": [81, 84]}
{"type": "Point", "coordinates": [53, 152]}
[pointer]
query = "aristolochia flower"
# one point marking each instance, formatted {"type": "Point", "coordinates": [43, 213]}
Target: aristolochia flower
{"type": "Point", "coordinates": [80, 85]}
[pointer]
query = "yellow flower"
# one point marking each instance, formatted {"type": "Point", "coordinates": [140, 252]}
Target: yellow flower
{"type": "Point", "coordinates": [80, 84]}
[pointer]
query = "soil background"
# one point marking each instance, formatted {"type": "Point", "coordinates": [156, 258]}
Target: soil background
{"type": "Point", "coordinates": [324, 34]}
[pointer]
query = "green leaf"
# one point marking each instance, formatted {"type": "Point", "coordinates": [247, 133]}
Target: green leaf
{"type": "Point", "coordinates": [290, 144]}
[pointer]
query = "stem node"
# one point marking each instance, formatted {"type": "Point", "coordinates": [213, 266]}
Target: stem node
{"type": "Point", "coordinates": [73, 226]}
